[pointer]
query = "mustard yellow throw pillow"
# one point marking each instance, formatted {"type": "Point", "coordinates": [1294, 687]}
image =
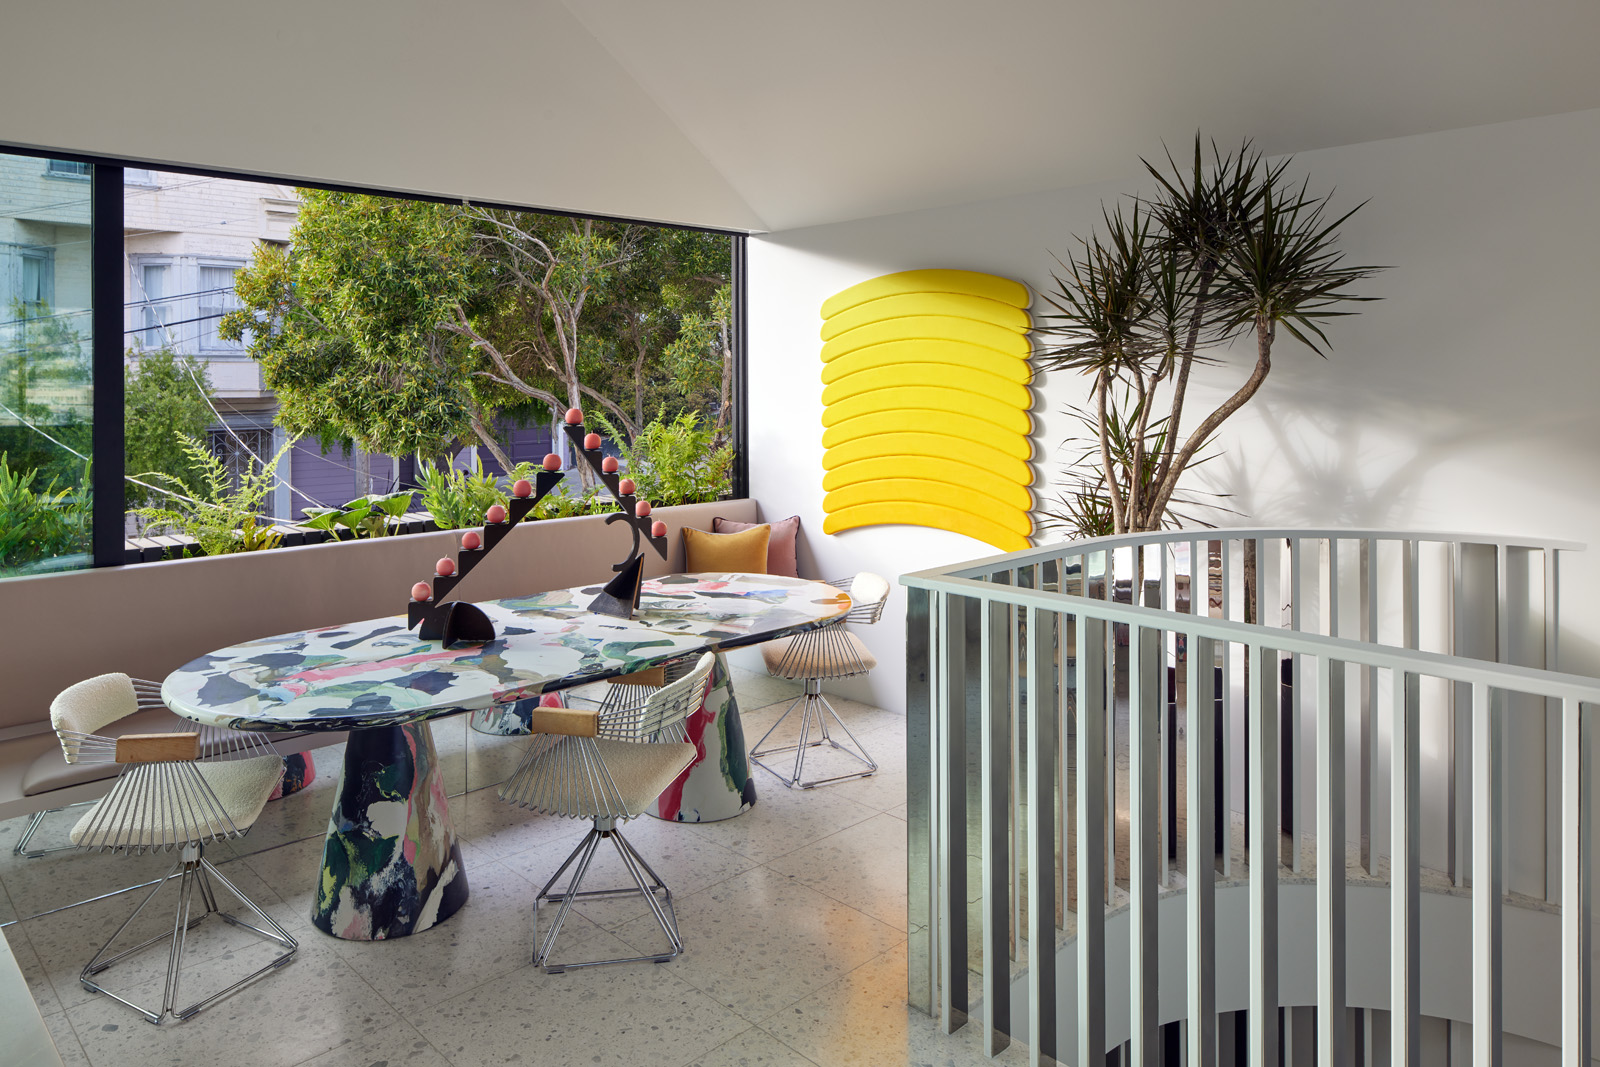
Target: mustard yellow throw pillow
{"type": "Point", "coordinates": [744, 552]}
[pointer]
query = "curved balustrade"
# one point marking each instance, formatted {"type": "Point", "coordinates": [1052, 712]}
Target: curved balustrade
{"type": "Point", "coordinates": [1370, 710]}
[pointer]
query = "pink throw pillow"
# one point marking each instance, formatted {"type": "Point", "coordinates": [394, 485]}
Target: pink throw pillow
{"type": "Point", "coordinates": [780, 543]}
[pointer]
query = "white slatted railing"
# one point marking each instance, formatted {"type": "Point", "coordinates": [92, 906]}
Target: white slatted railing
{"type": "Point", "coordinates": [1020, 668]}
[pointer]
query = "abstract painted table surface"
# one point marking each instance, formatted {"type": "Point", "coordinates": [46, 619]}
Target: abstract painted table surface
{"type": "Point", "coordinates": [391, 863]}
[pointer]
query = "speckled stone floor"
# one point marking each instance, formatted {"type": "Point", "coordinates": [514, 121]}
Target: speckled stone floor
{"type": "Point", "coordinates": [793, 918]}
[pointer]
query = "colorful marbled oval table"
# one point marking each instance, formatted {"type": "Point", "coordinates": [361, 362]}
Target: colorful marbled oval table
{"type": "Point", "coordinates": [391, 862]}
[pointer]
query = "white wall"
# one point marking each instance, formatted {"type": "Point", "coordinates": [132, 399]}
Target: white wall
{"type": "Point", "coordinates": [1464, 400]}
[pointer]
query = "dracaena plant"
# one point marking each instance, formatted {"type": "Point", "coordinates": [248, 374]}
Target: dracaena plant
{"type": "Point", "coordinates": [1224, 250]}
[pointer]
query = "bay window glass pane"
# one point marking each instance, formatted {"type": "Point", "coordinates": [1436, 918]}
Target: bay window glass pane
{"type": "Point", "coordinates": [46, 387]}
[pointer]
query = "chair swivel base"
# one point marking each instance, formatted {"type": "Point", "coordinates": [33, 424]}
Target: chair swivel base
{"type": "Point", "coordinates": [815, 709]}
{"type": "Point", "coordinates": [652, 890]}
{"type": "Point", "coordinates": [193, 871]}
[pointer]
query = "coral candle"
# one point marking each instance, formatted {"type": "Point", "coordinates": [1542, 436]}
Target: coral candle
{"type": "Point", "coordinates": [444, 568]}
{"type": "Point", "coordinates": [421, 591]}
{"type": "Point", "coordinates": [496, 513]}
{"type": "Point", "coordinates": [471, 540]}
{"type": "Point", "coordinates": [574, 416]}
{"type": "Point", "coordinates": [522, 488]}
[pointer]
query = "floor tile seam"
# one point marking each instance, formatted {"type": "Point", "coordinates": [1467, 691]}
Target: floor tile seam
{"type": "Point", "coordinates": [403, 1019]}
{"type": "Point", "coordinates": [817, 992]}
{"type": "Point", "coordinates": [842, 903]}
{"type": "Point", "coordinates": [747, 1031]}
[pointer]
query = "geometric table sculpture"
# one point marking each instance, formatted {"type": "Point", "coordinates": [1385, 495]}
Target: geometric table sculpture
{"type": "Point", "coordinates": [620, 597]}
{"type": "Point", "coordinates": [456, 621]}
{"type": "Point", "coordinates": [926, 405]}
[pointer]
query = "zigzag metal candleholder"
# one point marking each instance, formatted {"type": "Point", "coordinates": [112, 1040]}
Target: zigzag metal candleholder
{"type": "Point", "coordinates": [456, 620]}
{"type": "Point", "coordinates": [620, 597]}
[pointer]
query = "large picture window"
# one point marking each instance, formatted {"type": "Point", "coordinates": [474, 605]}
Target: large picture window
{"type": "Point", "coordinates": [362, 343]}
{"type": "Point", "coordinates": [46, 376]}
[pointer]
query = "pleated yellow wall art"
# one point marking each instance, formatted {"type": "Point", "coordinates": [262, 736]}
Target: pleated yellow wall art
{"type": "Point", "coordinates": [925, 405]}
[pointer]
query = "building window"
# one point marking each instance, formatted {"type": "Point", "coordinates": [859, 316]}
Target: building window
{"type": "Point", "coordinates": [216, 299]}
{"type": "Point", "coordinates": [62, 168]}
{"type": "Point", "coordinates": [239, 448]}
{"type": "Point", "coordinates": [35, 288]}
{"type": "Point", "coordinates": [155, 310]}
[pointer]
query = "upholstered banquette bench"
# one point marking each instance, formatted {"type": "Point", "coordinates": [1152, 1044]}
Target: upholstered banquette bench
{"type": "Point", "coordinates": [147, 619]}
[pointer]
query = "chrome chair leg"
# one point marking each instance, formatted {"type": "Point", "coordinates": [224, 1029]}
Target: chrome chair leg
{"type": "Point", "coordinates": [21, 847]}
{"type": "Point", "coordinates": [193, 871]}
{"type": "Point", "coordinates": [814, 706]}
{"type": "Point", "coordinates": [647, 884]}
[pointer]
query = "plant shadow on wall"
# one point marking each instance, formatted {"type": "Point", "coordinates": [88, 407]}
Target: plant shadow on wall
{"type": "Point", "coordinates": [1220, 253]}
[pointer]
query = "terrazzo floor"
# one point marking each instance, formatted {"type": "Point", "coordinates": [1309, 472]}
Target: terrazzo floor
{"type": "Point", "coordinates": [793, 919]}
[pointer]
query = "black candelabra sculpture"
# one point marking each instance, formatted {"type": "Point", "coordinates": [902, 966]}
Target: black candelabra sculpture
{"type": "Point", "coordinates": [456, 621]}
{"type": "Point", "coordinates": [620, 596]}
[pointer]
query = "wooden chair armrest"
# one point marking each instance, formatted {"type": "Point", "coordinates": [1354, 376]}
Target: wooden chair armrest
{"type": "Point", "coordinates": [656, 676]}
{"type": "Point", "coordinates": [570, 722]}
{"type": "Point", "coordinates": [158, 748]}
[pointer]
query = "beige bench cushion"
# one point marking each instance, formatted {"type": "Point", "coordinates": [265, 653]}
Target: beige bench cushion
{"type": "Point", "coordinates": [50, 770]}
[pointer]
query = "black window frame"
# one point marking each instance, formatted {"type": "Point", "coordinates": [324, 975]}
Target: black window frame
{"type": "Point", "coordinates": [106, 180]}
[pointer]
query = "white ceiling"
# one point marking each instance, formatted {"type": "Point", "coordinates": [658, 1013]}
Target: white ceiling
{"type": "Point", "coordinates": [759, 115]}
{"type": "Point", "coordinates": [826, 110]}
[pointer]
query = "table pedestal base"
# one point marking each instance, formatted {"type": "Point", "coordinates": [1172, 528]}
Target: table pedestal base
{"type": "Point", "coordinates": [391, 865]}
{"type": "Point", "coordinates": [718, 784]}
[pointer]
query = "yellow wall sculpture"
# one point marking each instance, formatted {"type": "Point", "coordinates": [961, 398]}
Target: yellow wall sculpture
{"type": "Point", "coordinates": [925, 419]}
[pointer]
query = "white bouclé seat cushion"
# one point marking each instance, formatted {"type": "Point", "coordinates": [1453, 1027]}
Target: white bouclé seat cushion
{"type": "Point", "coordinates": [241, 786]}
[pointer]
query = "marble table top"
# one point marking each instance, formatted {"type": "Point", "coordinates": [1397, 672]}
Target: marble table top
{"type": "Point", "coordinates": [379, 673]}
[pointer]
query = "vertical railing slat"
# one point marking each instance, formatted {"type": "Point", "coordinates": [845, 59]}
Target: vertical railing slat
{"type": "Point", "coordinates": [1576, 922]}
{"type": "Point", "coordinates": [1554, 729]}
{"type": "Point", "coordinates": [922, 858]}
{"type": "Point", "coordinates": [1487, 947]}
{"type": "Point", "coordinates": [994, 686]}
{"type": "Point", "coordinates": [1093, 710]}
{"type": "Point", "coordinates": [1405, 967]}
{"type": "Point", "coordinates": [1332, 1045]}
{"type": "Point", "coordinates": [1201, 892]}
{"type": "Point", "coordinates": [1263, 831]}
{"type": "Point", "coordinates": [1295, 791]}
{"type": "Point", "coordinates": [1144, 710]}
{"type": "Point", "coordinates": [1225, 556]}
{"type": "Point", "coordinates": [1041, 839]}
{"type": "Point", "coordinates": [1369, 705]}
{"type": "Point", "coordinates": [951, 694]}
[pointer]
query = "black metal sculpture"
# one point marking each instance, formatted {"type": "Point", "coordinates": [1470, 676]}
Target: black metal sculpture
{"type": "Point", "coordinates": [456, 621]}
{"type": "Point", "coordinates": [620, 596]}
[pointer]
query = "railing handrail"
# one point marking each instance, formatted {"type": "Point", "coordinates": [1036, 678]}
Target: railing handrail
{"type": "Point", "coordinates": [1041, 553]}
{"type": "Point", "coordinates": [1531, 680]}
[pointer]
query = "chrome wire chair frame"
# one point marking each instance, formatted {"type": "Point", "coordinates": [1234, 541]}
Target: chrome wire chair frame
{"type": "Point", "coordinates": [813, 657]}
{"type": "Point", "coordinates": [636, 750]}
{"type": "Point", "coordinates": [215, 742]}
{"type": "Point", "coordinates": [193, 870]}
{"type": "Point", "coordinates": [167, 805]}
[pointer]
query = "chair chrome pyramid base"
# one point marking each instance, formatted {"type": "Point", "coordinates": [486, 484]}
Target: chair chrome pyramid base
{"type": "Point", "coordinates": [654, 891]}
{"type": "Point", "coordinates": [814, 709]}
{"type": "Point", "coordinates": [193, 871]}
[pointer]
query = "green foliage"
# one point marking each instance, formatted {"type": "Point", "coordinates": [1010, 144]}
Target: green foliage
{"type": "Point", "coordinates": [38, 525]}
{"type": "Point", "coordinates": [220, 517]}
{"type": "Point", "coordinates": [165, 401]}
{"type": "Point", "coordinates": [457, 498]}
{"type": "Point", "coordinates": [346, 323]}
{"type": "Point", "coordinates": [1083, 509]}
{"type": "Point", "coordinates": [595, 500]}
{"type": "Point", "coordinates": [367, 516]}
{"type": "Point", "coordinates": [676, 461]}
{"type": "Point", "coordinates": [44, 365]}
{"type": "Point", "coordinates": [1225, 250]}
